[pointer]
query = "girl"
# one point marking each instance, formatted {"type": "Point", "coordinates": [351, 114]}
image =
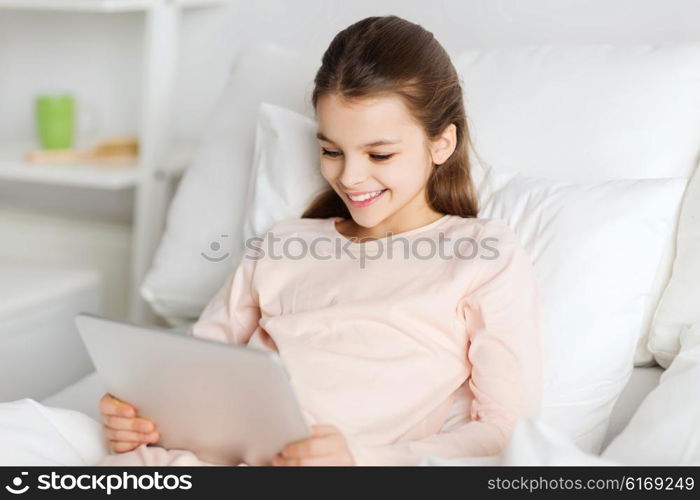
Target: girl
{"type": "Point", "coordinates": [421, 336]}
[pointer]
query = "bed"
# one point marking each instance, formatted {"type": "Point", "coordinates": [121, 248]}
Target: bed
{"type": "Point", "coordinates": [83, 396]}
{"type": "Point", "coordinates": [63, 430]}
{"type": "Point", "coordinates": [632, 318]}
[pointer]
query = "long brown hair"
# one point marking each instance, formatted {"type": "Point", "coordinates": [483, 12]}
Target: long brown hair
{"type": "Point", "coordinates": [390, 55]}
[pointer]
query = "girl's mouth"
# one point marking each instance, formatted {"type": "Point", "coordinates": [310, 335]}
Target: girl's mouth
{"type": "Point", "coordinates": [365, 199]}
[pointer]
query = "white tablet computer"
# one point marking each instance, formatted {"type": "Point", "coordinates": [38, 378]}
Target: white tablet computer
{"type": "Point", "coordinates": [226, 403]}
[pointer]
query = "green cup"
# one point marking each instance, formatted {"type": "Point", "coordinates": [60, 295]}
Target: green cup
{"type": "Point", "coordinates": [55, 120]}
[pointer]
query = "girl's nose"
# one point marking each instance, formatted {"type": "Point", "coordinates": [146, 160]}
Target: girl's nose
{"type": "Point", "coordinates": [354, 173]}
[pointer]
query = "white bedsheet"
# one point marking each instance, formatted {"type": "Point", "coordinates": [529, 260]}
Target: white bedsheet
{"type": "Point", "coordinates": [34, 435]}
{"type": "Point", "coordinates": [84, 395]}
{"type": "Point", "coordinates": [663, 431]}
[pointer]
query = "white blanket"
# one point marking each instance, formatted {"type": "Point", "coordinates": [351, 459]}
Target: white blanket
{"type": "Point", "coordinates": [533, 442]}
{"type": "Point", "coordinates": [665, 430]}
{"type": "Point", "coordinates": [34, 434]}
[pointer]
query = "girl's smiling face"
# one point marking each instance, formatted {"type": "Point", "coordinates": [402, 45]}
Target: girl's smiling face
{"type": "Point", "coordinates": [378, 159]}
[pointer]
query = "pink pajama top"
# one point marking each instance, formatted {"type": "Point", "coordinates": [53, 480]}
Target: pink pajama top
{"type": "Point", "coordinates": [423, 343]}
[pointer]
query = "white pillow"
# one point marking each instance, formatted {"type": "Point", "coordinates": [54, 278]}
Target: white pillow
{"type": "Point", "coordinates": [585, 112]}
{"type": "Point", "coordinates": [679, 309]}
{"type": "Point", "coordinates": [603, 108]}
{"type": "Point", "coordinates": [571, 112]}
{"type": "Point", "coordinates": [596, 248]}
{"type": "Point", "coordinates": [286, 172]}
{"type": "Point", "coordinates": [206, 214]}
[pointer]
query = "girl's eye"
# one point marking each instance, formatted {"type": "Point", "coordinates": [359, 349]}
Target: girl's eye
{"type": "Point", "coordinates": [329, 153]}
{"type": "Point", "coordinates": [381, 157]}
{"type": "Point", "coordinates": [335, 154]}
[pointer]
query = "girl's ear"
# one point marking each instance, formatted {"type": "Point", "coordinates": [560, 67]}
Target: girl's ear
{"type": "Point", "coordinates": [444, 145]}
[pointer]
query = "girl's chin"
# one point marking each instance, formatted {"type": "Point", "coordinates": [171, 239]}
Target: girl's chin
{"type": "Point", "coordinates": [368, 219]}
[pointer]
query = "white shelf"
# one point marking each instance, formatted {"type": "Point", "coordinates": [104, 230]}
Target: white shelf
{"type": "Point", "coordinates": [105, 6]}
{"type": "Point", "coordinates": [162, 31]}
{"type": "Point", "coordinates": [92, 176]}
{"type": "Point", "coordinates": [111, 177]}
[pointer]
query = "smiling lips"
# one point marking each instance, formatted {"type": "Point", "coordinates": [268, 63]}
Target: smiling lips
{"type": "Point", "coordinates": [366, 198]}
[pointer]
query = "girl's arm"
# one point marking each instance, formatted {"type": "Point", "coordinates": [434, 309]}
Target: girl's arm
{"type": "Point", "coordinates": [232, 315]}
{"type": "Point", "coordinates": [501, 312]}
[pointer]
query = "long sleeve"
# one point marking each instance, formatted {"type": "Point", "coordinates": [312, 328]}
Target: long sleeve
{"type": "Point", "coordinates": [232, 315]}
{"type": "Point", "coordinates": [501, 314]}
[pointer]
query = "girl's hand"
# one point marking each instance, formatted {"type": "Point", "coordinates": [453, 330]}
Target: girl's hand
{"type": "Point", "coordinates": [326, 446]}
{"type": "Point", "coordinates": [123, 429]}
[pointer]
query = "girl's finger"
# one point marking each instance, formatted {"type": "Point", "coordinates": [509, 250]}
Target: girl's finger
{"type": "Point", "coordinates": [280, 461]}
{"type": "Point", "coordinates": [312, 447]}
{"type": "Point", "coordinates": [129, 424]}
{"type": "Point", "coordinates": [131, 436]}
{"type": "Point", "coordinates": [109, 405]}
{"type": "Point", "coordinates": [122, 446]}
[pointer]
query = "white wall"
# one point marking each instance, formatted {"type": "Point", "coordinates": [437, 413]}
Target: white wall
{"type": "Point", "coordinates": [98, 57]}
{"type": "Point", "coordinates": [311, 24]}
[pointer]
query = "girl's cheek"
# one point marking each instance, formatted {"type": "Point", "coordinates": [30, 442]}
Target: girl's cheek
{"type": "Point", "coordinates": [402, 182]}
{"type": "Point", "coordinates": [329, 172]}
{"type": "Point", "coordinates": [392, 176]}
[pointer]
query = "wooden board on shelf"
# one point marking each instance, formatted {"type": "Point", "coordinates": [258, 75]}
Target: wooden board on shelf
{"type": "Point", "coordinates": [14, 167]}
{"type": "Point", "coordinates": [109, 151]}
